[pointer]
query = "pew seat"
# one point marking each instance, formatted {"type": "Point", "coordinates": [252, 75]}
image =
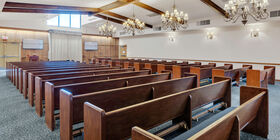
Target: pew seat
{"type": "Point", "coordinates": [204, 124]}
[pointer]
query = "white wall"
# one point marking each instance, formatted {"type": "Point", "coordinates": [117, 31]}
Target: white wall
{"type": "Point", "coordinates": [229, 44]}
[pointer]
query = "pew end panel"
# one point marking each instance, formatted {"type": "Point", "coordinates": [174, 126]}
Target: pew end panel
{"type": "Point", "coordinates": [260, 124]}
{"type": "Point", "coordinates": [126, 64]}
{"type": "Point", "coordinates": [66, 115]}
{"type": "Point", "coordinates": [31, 89]}
{"type": "Point", "coordinates": [271, 74]}
{"type": "Point", "coordinates": [49, 105]}
{"type": "Point", "coordinates": [24, 84]}
{"type": "Point", "coordinates": [94, 122]}
{"type": "Point", "coordinates": [148, 66]}
{"type": "Point", "coordinates": [176, 71]}
{"type": "Point", "coordinates": [136, 66]}
{"type": "Point", "coordinates": [217, 72]}
{"type": "Point", "coordinates": [196, 70]}
{"type": "Point", "coordinates": [39, 96]}
{"type": "Point", "coordinates": [253, 78]}
{"type": "Point", "coordinates": [160, 68]}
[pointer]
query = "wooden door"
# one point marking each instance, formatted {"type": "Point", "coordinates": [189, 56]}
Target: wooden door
{"type": "Point", "coordinates": [123, 51]}
{"type": "Point", "coordinates": [9, 52]}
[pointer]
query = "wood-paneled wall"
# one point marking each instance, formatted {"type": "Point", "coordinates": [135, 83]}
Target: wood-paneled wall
{"type": "Point", "coordinates": [17, 36]}
{"type": "Point", "coordinates": [107, 47]}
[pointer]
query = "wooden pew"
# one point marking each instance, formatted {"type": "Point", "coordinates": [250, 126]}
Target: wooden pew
{"type": "Point", "coordinates": [205, 72]}
{"type": "Point", "coordinates": [31, 78]}
{"type": "Point", "coordinates": [118, 98]}
{"type": "Point", "coordinates": [41, 80]}
{"type": "Point", "coordinates": [46, 65]}
{"type": "Point", "coordinates": [158, 67]}
{"type": "Point", "coordinates": [52, 91]}
{"type": "Point", "coordinates": [101, 124]}
{"type": "Point", "coordinates": [139, 65]}
{"type": "Point", "coordinates": [251, 116]}
{"type": "Point", "coordinates": [19, 69]}
{"type": "Point", "coordinates": [244, 70]}
{"type": "Point", "coordinates": [234, 74]}
{"type": "Point", "coordinates": [23, 74]}
{"type": "Point", "coordinates": [179, 70]}
{"type": "Point", "coordinates": [261, 78]}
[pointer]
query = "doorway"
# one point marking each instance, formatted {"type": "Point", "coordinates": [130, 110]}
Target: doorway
{"type": "Point", "coordinates": [9, 52]}
{"type": "Point", "coordinates": [123, 51]}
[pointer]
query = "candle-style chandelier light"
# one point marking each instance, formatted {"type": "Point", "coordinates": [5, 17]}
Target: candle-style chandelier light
{"type": "Point", "coordinates": [134, 24]}
{"type": "Point", "coordinates": [175, 20]}
{"type": "Point", "coordinates": [245, 8]}
{"type": "Point", "coordinates": [107, 29]}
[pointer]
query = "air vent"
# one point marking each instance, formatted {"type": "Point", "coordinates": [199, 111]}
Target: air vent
{"type": "Point", "coordinates": [153, 15]}
{"type": "Point", "coordinates": [203, 22]}
{"type": "Point", "coordinates": [157, 28]}
{"type": "Point", "coordinates": [122, 33]}
{"type": "Point", "coordinates": [275, 13]}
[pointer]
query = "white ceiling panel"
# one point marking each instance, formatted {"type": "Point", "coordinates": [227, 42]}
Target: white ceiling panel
{"type": "Point", "coordinates": [2, 2]}
{"type": "Point", "coordinates": [140, 13]}
{"type": "Point", "coordinates": [195, 8]}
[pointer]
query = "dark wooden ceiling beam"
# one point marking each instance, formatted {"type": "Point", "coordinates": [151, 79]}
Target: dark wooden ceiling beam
{"type": "Point", "coordinates": [210, 3]}
{"type": "Point", "coordinates": [148, 7]}
{"type": "Point", "coordinates": [44, 11]}
{"type": "Point", "coordinates": [52, 7]}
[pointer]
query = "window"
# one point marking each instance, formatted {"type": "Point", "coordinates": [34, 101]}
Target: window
{"type": "Point", "coordinates": [53, 21]}
{"type": "Point", "coordinates": [66, 20]}
{"type": "Point", "coordinates": [75, 21]}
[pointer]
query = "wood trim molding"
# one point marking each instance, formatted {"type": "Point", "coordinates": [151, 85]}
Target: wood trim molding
{"type": "Point", "coordinates": [46, 31]}
{"type": "Point", "coordinates": [217, 61]}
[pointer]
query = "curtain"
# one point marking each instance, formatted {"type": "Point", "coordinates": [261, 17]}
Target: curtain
{"type": "Point", "coordinates": [65, 46]}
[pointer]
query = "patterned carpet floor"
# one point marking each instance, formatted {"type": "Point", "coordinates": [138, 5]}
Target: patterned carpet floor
{"type": "Point", "coordinates": [18, 121]}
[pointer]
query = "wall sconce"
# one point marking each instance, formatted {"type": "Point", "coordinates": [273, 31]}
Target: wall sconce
{"type": "Point", "coordinates": [171, 38]}
{"type": "Point", "coordinates": [210, 35]}
{"type": "Point", "coordinates": [255, 32]}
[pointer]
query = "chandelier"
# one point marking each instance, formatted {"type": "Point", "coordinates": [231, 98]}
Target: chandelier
{"type": "Point", "coordinates": [107, 29]}
{"type": "Point", "coordinates": [257, 9]}
{"type": "Point", "coordinates": [132, 25]}
{"type": "Point", "coordinates": [175, 20]}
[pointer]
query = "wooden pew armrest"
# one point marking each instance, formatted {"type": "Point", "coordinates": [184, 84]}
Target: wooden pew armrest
{"type": "Point", "coordinates": [140, 134]}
